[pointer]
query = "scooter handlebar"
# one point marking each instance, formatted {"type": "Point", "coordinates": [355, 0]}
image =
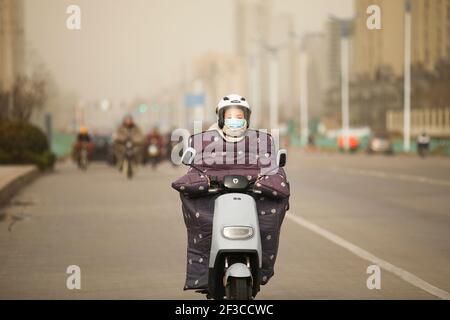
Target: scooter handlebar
{"type": "Point", "coordinates": [213, 190]}
{"type": "Point", "coordinates": [217, 187]}
{"type": "Point", "coordinates": [217, 190]}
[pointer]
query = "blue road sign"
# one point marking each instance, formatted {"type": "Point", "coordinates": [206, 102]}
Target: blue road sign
{"type": "Point", "coordinates": [194, 100]}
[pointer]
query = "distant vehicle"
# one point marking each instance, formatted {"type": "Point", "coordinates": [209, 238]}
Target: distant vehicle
{"type": "Point", "coordinates": [83, 155]}
{"type": "Point", "coordinates": [102, 146]}
{"type": "Point", "coordinates": [129, 159]}
{"type": "Point", "coordinates": [423, 144]}
{"type": "Point", "coordinates": [153, 154]}
{"type": "Point", "coordinates": [154, 146]}
{"type": "Point", "coordinates": [380, 143]}
{"type": "Point", "coordinates": [82, 151]}
{"type": "Point", "coordinates": [111, 156]}
{"type": "Point", "coordinates": [353, 143]}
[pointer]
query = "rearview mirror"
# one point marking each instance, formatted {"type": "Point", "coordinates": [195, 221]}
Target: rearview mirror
{"type": "Point", "coordinates": [188, 156]}
{"type": "Point", "coordinates": [281, 158]}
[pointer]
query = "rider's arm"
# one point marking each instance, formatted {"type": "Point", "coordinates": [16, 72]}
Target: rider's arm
{"type": "Point", "coordinates": [193, 184]}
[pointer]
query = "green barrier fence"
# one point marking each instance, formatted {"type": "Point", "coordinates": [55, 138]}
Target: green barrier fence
{"type": "Point", "coordinates": [62, 143]}
{"type": "Point", "coordinates": [437, 146]}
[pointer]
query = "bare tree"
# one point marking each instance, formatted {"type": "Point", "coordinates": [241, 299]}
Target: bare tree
{"type": "Point", "coordinates": [4, 96]}
{"type": "Point", "coordinates": [27, 94]}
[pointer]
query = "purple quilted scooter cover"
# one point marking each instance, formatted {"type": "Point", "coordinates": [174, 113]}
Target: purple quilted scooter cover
{"type": "Point", "coordinates": [253, 157]}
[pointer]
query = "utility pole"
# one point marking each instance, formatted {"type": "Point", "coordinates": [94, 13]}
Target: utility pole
{"type": "Point", "coordinates": [407, 79]}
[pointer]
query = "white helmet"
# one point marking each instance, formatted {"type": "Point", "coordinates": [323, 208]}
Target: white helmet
{"type": "Point", "coordinates": [232, 100]}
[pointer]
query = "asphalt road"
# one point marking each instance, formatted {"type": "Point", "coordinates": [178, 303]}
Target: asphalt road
{"type": "Point", "coordinates": [128, 237]}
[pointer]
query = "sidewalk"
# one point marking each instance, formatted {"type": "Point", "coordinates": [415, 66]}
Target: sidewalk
{"type": "Point", "coordinates": [13, 178]}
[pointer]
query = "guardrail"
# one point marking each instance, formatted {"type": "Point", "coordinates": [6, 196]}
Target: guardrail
{"type": "Point", "coordinates": [436, 122]}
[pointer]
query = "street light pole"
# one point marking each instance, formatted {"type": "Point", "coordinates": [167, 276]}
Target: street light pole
{"type": "Point", "coordinates": [345, 29]}
{"type": "Point", "coordinates": [273, 82]}
{"type": "Point", "coordinates": [273, 89]}
{"type": "Point", "coordinates": [345, 84]}
{"type": "Point", "coordinates": [255, 90]}
{"type": "Point", "coordinates": [407, 79]}
{"type": "Point", "coordinates": [181, 106]}
{"type": "Point", "coordinates": [304, 97]}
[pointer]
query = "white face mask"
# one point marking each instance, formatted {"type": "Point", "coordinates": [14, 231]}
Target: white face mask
{"type": "Point", "coordinates": [235, 127]}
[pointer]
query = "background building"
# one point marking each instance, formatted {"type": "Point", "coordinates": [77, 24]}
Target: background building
{"type": "Point", "coordinates": [333, 53]}
{"type": "Point", "coordinates": [315, 47]}
{"type": "Point", "coordinates": [377, 64]}
{"type": "Point", "coordinates": [12, 51]}
{"type": "Point", "coordinates": [375, 49]}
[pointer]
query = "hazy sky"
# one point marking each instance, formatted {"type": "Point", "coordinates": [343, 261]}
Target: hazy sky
{"type": "Point", "coordinates": [129, 48]}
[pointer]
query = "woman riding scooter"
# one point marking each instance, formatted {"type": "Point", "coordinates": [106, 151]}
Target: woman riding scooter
{"type": "Point", "coordinates": [230, 148]}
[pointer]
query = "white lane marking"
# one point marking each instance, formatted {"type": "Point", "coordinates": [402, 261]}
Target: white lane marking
{"type": "Point", "coordinates": [398, 176]}
{"type": "Point", "coordinates": [403, 274]}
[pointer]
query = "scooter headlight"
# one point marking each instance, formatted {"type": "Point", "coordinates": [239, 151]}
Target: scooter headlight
{"type": "Point", "coordinates": [237, 232]}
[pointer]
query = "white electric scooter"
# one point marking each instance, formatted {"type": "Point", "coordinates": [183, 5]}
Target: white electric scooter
{"type": "Point", "coordinates": [235, 258]}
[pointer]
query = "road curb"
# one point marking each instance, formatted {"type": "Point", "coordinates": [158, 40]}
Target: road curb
{"type": "Point", "coordinates": [12, 185]}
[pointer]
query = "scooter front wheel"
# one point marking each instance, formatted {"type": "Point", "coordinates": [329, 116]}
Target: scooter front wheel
{"type": "Point", "coordinates": [239, 289]}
